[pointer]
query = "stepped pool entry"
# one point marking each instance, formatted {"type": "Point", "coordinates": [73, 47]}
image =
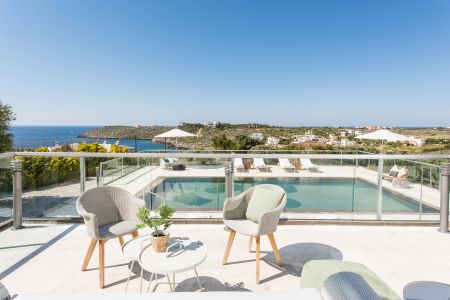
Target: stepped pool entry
{"type": "Point", "coordinates": [304, 195]}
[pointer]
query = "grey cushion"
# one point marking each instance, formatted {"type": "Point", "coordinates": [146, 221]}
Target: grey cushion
{"type": "Point", "coordinates": [347, 285]}
{"type": "Point", "coordinates": [393, 173]}
{"type": "Point", "coordinates": [113, 230]}
{"type": "Point", "coordinates": [426, 290]}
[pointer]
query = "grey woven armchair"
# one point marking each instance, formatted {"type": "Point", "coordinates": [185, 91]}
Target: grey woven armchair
{"type": "Point", "coordinates": [108, 212]}
{"type": "Point", "coordinates": [234, 216]}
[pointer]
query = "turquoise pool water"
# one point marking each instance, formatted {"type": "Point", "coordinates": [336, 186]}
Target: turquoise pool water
{"type": "Point", "coordinates": [304, 194]}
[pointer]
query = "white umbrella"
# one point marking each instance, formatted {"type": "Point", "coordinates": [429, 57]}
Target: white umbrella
{"type": "Point", "coordinates": [383, 135]}
{"type": "Point", "coordinates": [174, 133]}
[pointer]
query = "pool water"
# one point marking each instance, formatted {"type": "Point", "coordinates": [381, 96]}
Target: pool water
{"type": "Point", "coordinates": [304, 194]}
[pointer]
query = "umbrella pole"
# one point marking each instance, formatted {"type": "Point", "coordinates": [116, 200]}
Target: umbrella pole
{"type": "Point", "coordinates": [165, 144]}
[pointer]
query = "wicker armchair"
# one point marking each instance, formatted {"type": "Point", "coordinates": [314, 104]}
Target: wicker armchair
{"type": "Point", "coordinates": [108, 212]}
{"type": "Point", "coordinates": [234, 211]}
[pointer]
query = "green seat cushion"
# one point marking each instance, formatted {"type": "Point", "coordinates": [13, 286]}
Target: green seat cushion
{"type": "Point", "coordinates": [315, 273]}
{"type": "Point", "coordinates": [262, 200]}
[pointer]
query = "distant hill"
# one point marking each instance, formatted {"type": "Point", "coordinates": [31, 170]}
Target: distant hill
{"type": "Point", "coordinates": [126, 132]}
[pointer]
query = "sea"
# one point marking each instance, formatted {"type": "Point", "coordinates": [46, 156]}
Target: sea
{"type": "Point", "coordinates": [32, 137]}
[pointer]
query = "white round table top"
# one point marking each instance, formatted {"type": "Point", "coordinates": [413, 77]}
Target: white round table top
{"type": "Point", "coordinates": [133, 247]}
{"type": "Point", "coordinates": [185, 254]}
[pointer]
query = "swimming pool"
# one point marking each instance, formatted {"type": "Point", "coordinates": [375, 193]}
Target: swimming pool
{"type": "Point", "coordinates": [304, 195]}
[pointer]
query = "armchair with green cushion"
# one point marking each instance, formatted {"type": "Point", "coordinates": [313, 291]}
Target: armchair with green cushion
{"type": "Point", "coordinates": [254, 213]}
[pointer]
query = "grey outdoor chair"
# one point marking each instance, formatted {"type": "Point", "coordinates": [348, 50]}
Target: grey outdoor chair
{"type": "Point", "coordinates": [234, 216]}
{"type": "Point", "coordinates": [108, 212]}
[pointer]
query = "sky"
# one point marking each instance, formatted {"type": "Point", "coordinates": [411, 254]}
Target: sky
{"type": "Point", "coordinates": [289, 63]}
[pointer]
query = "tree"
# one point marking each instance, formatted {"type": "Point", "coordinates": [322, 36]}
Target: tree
{"type": "Point", "coordinates": [221, 142]}
{"type": "Point", "coordinates": [6, 117]}
{"type": "Point", "coordinates": [245, 142]}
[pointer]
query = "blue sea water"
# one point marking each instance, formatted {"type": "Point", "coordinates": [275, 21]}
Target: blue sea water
{"type": "Point", "coordinates": [31, 137]}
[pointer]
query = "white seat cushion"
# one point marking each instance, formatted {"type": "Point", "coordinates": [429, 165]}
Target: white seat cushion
{"type": "Point", "coordinates": [243, 226]}
{"type": "Point", "coordinates": [402, 172]}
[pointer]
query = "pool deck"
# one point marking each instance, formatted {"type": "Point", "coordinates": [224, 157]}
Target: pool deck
{"type": "Point", "coordinates": [46, 259]}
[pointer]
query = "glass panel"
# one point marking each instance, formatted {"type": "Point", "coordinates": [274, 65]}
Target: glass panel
{"type": "Point", "coordinates": [365, 190]}
{"type": "Point", "coordinates": [430, 189]}
{"type": "Point", "coordinates": [50, 186]}
{"type": "Point", "coordinates": [5, 190]}
{"type": "Point", "coordinates": [188, 194]}
{"type": "Point", "coordinates": [401, 190]}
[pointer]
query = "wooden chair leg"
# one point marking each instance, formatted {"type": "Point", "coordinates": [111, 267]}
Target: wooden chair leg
{"type": "Point", "coordinates": [229, 244]}
{"type": "Point", "coordinates": [134, 234]}
{"type": "Point", "coordinates": [89, 252]}
{"type": "Point", "coordinates": [258, 245]}
{"type": "Point", "coordinates": [250, 244]}
{"type": "Point", "coordinates": [101, 259]}
{"type": "Point", "coordinates": [121, 241]}
{"type": "Point", "coordinates": [276, 253]}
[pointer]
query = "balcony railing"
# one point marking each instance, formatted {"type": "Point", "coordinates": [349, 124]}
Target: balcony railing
{"type": "Point", "coordinates": [343, 186]}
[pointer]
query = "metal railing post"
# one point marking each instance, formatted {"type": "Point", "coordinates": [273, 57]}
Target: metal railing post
{"type": "Point", "coordinates": [82, 174]}
{"type": "Point", "coordinates": [16, 168]}
{"type": "Point", "coordinates": [380, 189]}
{"type": "Point", "coordinates": [431, 180]}
{"type": "Point", "coordinates": [121, 172]}
{"type": "Point", "coordinates": [229, 180]}
{"type": "Point", "coordinates": [445, 174]}
{"type": "Point", "coordinates": [97, 175]}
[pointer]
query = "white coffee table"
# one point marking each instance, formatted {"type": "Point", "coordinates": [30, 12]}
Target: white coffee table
{"type": "Point", "coordinates": [132, 249]}
{"type": "Point", "coordinates": [182, 255]}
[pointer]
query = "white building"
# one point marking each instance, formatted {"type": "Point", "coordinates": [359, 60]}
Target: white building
{"type": "Point", "coordinates": [307, 137]}
{"type": "Point", "coordinates": [416, 141]}
{"type": "Point", "coordinates": [257, 136]}
{"type": "Point", "coordinates": [272, 140]}
{"type": "Point", "coordinates": [347, 143]}
{"type": "Point", "coordinates": [350, 132]}
{"type": "Point", "coordinates": [211, 124]}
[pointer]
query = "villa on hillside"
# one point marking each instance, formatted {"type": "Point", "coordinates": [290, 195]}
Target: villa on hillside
{"type": "Point", "coordinates": [259, 136]}
{"type": "Point", "coordinates": [272, 140]}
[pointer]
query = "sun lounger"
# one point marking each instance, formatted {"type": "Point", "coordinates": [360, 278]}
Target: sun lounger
{"type": "Point", "coordinates": [167, 163]}
{"type": "Point", "coordinates": [238, 164]}
{"type": "Point", "coordinates": [396, 173]}
{"type": "Point", "coordinates": [308, 165]}
{"type": "Point", "coordinates": [260, 164]}
{"type": "Point", "coordinates": [285, 164]}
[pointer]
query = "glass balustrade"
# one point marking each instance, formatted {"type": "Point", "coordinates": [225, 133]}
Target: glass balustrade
{"type": "Point", "coordinates": [347, 187]}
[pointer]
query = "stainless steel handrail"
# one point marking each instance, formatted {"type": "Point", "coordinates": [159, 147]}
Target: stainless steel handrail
{"type": "Point", "coordinates": [235, 155]}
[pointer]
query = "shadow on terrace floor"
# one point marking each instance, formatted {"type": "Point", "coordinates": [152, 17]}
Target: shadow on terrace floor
{"type": "Point", "coordinates": [42, 248]}
{"type": "Point", "coordinates": [210, 284]}
{"type": "Point", "coordinates": [295, 256]}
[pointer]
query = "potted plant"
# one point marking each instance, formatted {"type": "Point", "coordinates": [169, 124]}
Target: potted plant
{"type": "Point", "coordinates": [159, 223]}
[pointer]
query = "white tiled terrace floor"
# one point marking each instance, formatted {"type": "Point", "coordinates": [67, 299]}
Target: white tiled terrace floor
{"type": "Point", "coordinates": [47, 258]}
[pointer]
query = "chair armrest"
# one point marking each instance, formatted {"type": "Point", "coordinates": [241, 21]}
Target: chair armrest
{"type": "Point", "coordinates": [268, 221]}
{"type": "Point", "coordinates": [90, 220]}
{"type": "Point", "coordinates": [235, 207]}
